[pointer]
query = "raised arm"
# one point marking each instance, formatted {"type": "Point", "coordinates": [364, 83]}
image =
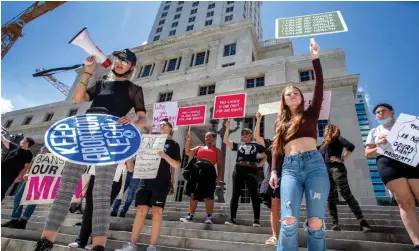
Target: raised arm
{"type": "Point", "coordinates": [228, 143]}
{"type": "Point", "coordinates": [317, 101]}
{"type": "Point", "coordinates": [256, 134]}
{"type": "Point", "coordinates": [82, 94]}
{"type": "Point", "coordinates": [188, 151]}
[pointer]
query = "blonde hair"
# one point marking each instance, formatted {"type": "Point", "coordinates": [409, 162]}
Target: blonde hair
{"type": "Point", "coordinates": [282, 134]}
{"type": "Point", "coordinates": [331, 132]}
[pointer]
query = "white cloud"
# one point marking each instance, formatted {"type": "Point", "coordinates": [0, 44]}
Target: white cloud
{"type": "Point", "coordinates": [5, 105]}
{"type": "Point", "coordinates": [127, 15]}
{"type": "Point", "coordinates": [366, 95]}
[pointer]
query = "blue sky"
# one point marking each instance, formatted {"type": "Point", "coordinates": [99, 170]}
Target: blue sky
{"type": "Point", "coordinates": [382, 45]}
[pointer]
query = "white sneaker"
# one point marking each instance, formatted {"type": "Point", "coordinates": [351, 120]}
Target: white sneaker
{"type": "Point", "coordinates": [208, 220]}
{"type": "Point", "coordinates": [89, 247]}
{"type": "Point", "coordinates": [151, 248]}
{"type": "Point", "coordinates": [127, 247]}
{"type": "Point", "coordinates": [74, 245]}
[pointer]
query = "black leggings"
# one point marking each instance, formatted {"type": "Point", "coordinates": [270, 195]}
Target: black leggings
{"type": "Point", "coordinates": [240, 176]}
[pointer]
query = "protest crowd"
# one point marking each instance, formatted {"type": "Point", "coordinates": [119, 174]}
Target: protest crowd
{"type": "Point", "coordinates": [297, 166]}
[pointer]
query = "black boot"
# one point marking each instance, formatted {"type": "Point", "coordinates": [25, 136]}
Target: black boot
{"type": "Point", "coordinates": [98, 248]}
{"type": "Point", "coordinates": [10, 223]}
{"type": "Point", "coordinates": [364, 226]}
{"type": "Point", "coordinates": [43, 245]}
{"type": "Point", "coordinates": [336, 227]}
{"type": "Point", "coordinates": [21, 224]}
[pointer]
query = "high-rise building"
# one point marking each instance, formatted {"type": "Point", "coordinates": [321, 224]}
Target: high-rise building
{"type": "Point", "coordinates": [365, 125]}
{"type": "Point", "coordinates": [176, 18]}
{"type": "Point", "coordinates": [223, 59]}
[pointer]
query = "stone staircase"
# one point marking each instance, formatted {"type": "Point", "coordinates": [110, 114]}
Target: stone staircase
{"type": "Point", "coordinates": [388, 231]}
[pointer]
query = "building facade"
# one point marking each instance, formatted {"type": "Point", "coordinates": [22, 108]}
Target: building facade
{"type": "Point", "coordinates": [176, 18]}
{"type": "Point", "coordinates": [365, 125]}
{"type": "Point", "coordinates": [194, 68]}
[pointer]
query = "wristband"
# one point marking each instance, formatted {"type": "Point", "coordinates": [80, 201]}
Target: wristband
{"type": "Point", "coordinates": [83, 83]}
{"type": "Point", "coordinates": [88, 73]}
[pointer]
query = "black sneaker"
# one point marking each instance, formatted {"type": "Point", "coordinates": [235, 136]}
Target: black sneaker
{"type": "Point", "coordinates": [77, 224]}
{"type": "Point", "coordinates": [122, 214]}
{"type": "Point", "coordinates": [231, 222]}
{"type": "Point", "coordinates": [98, 248]}
{"type": "Point", "coordinates": [256, 223]}
{"type": "Point", "coordinates": [20, 225]}
{"type": "Point", "coordinates": [336, 227]}
{"type": "Point", "coordinates": [10, 223]}
{"type": "Point", "coordinates": [365, 227]}
{"type": "Point", "coordinates": [43, 245]}
{"type": "Point", "coordinates": [415, 248]}
{"type": "Point", "coordinates": [114, 214]}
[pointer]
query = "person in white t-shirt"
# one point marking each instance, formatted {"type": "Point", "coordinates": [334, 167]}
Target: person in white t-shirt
{"type": "Point", "coordinates": [401, 179]}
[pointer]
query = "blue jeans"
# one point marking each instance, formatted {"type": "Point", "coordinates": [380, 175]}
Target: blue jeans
{"type": "Point", "coordinates": [305, 172]}
{"type": "Point", "coordinates": [133, 185]}
{"type": "Point", "coordinates": [17, 209]}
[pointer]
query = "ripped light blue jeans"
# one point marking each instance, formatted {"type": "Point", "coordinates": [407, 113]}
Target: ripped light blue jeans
{"type": "Point", "coordinates": [304, 172]}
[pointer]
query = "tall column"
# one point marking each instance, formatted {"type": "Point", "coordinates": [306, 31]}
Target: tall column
{"type": "Point", "coordinates": [212, 61]}
{"type": "Point", "coordinates": [158, 67]}
{"type": "Point", "coordinates": [186, 58]}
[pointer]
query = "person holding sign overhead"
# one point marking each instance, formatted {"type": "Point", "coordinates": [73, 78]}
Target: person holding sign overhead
{"type": "Point", "coordinates": [271, 196]}
{"type": "Point", "coordinates": [153, 192]}
{"type": "Point", "coordinates": [246, 170]}
{"type": "Point", "coordinates": [401, 179]}
{"type": "Point", "coordinates": [303, 168]}
{"type": "Point", "coordinates": [202, 183]}
{"type": "Point", "coordinates": [117, 98]}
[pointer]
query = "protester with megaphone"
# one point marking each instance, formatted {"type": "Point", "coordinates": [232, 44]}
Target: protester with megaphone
{"type": "Point", "coordinates": [117, 98]}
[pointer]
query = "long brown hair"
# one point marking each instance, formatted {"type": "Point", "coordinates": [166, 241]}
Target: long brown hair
{"type": "Point", "coordinates": [331, 132]}
{"type": "Point", "coordinates": [282, 133]}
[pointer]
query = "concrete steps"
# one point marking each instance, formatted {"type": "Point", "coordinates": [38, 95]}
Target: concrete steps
{"type": "Point", "coordinates": [389, 233]}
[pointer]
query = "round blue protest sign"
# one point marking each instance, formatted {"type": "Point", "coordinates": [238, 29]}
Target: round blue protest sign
{"type": "Point", "coordinates": [93, 139]}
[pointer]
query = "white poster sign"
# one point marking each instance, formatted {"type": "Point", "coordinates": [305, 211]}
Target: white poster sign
{"type": "Point", "coordinates": [273, 108]}
{"type": "Point", "coordinates": [403, 140]}
{"type": "Point", "coordinates": [165, 110]}
{"type": "Point", "coordinates": [147, 162]}
{"type": "Point", "coordinates": [44, 180]}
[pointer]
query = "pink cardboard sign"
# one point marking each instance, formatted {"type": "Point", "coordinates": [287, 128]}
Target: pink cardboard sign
{"type": "Point", "coordinates": [191, 115]}
{"type": "Point", "coordinates": [230, 106]}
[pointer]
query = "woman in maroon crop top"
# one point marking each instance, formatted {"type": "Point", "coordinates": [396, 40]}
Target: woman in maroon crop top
{"type": "Point", "coordinates": [303, 169]}
{"type": "Point", "coordinates": [202, 184]}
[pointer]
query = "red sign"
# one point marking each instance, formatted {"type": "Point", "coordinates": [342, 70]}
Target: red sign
{"type": "Point", "coordinates": [191, 115]}
{"type": "Point", "coordinates": [230, 106]}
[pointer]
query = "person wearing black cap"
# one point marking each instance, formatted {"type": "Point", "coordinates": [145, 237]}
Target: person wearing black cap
{"type": "Point", "coordinates": [117, 98]}
{"type": "Point", "coordinates": [246, 170]}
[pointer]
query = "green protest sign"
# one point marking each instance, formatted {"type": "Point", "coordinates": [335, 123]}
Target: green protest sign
{"type": "Point", "coordinates": [317, 24]}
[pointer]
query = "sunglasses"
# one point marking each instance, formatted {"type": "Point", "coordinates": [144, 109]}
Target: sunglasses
{"type": "Point", "coordinates": [123, 61]}
{"type": "Point", "coordinates": [245, 133]}
{"type": "Point", "coordinates": [163, 124]}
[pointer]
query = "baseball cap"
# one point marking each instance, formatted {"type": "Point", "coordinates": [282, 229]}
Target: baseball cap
{"type": "Point", "coordinates": [126, 54]}
{"type": "Point", "coordinates": [246, 130]}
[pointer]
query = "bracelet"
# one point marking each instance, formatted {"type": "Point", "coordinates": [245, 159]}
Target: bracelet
{"type": "Point", "coordinates": [83, 83]}
{"type": "Point", "coordinates": [88, 73]}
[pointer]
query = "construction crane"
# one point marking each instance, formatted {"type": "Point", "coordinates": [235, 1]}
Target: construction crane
{"type": "Point", "coordinates": [64, 89]}
{"type": "Point", "coordinates": [12, 30]}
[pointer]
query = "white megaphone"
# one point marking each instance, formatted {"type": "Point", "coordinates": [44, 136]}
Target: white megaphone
{"type": "Point", "coordinates": [83, 40]}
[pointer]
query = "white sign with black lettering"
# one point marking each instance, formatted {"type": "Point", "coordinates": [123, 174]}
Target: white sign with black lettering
{"type": "Point", "coordinates": [403, 140]}
{"type": "Point", "coordinates": [147, 162]}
